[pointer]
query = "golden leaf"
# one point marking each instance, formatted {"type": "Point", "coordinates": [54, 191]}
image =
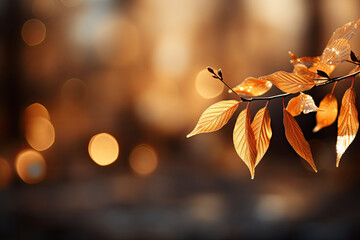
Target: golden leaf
{"type": "Point", "coordinates": [302, 103]}
{"type": "Point", "coordinates": [215, 117]}
{"type": "Point", "coordinates": [328, 69]}
{"type": "Point", "coordinates": [306, 61]}
{"type": "Point", "coordinates": [293, 106]}
{"type": "Point", "coordinates": [253, 87]}
{"type": "Point", "coordinates": [308, 103]}
{"type": "Point", "coordinates": [244, 141]}
{"type": "Point", "coordinates": [337, 52]}
{"type": "Point", "coordinates": [301, 69]}
{"type": "Point", "coordinates": [290, 82]}
{"type": "Point", "coordinates": [261, 126]}
{"type": "Point", "coordinates": [296, 138]}
{"type": "Point", "coordinates": [348, 123]}
{"type": "Point", "coordinates": [345, 32]}
{"type": "Point", "coordinates": [328, 113]}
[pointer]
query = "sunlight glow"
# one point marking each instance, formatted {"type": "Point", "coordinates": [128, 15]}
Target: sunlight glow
{"type": "Point", "coordinates": [143, 159]}
{"type": "Point", "coordinates": [39, 133]}
{"type": "Point", "coordinates": [36, 110]}
{"type": "Point", "coordinates": [33, 32]}
{"type": "Point", "coordinates": [103, 149]}
{"type": "Point", "coordinates": [207, 86]}
{"type": "Point", "coordinates": [30, 166]}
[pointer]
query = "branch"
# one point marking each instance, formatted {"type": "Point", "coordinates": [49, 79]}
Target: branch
{"type": "Point", "coordinates": [330, 80]}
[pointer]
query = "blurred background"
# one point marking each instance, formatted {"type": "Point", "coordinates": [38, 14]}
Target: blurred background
{"type": "Point", "coordinates": [97, 96]}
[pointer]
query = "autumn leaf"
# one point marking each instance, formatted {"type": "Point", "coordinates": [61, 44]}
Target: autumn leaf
{"type": "Point", "coordinates": [345, 32]}
{"type": "Point", "coordinates": [306, 61]}
{"type": "Point", "coordinates": [215, 117]}
{"type": "Point", "coordinates": [293, 106]}
{"type": "Point", "coordinates": [244, 141]}
{"type": "Point", "coordinates": [296, 138]}
{"type": "Point", "coordinates": [328, 69]}
{"type": "Point", "coordinates": [328, 113]}
{"type": "Point", "coordinates": [348, 123]}
{"type": "Point", "coordinates": [290, 82]}
{"type": "Point", "coordinates": [337, 52]}
{"type": "Point", "coordinates": [253, 87]}
{"type": "Point", "coordinates": [301, 69]}
{"type": "Point", "coordinates": [302, 103]}
{"type": "Point", "coordinates": [261, 126]}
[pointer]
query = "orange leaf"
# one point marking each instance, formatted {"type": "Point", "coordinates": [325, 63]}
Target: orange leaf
{"type": "Point", "coordinates": [244, 141]}
{"type": "Point", "coordinates": [215, 117]}
{"type": "Point", "coordinates": [345, 32]}
{"type": "Point", "coordinates": [348, 123]}
{"type": "Point", "coordinates": [306, 61]}
{"type": "Point", "coordinates": [296, 138]}
{"type": "Point", "coordinates": [293, 106]}
{"type": "Point", "coordinates": [328, 69]}
{"type": "Point", "coordinates": [337, 52]}
{"type": "Point", "coordinates": [253, 87]}
{"type": "Point", "coordinates": [328, 113]}
{"type": "Point", "coordinates": [290, 82]}
{"type": "Point", "coordinates": [261, 126]}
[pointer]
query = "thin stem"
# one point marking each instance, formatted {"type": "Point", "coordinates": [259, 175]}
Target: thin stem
{"type": "Point", "coordinates": [222, 80]}
{"type": "Point", "coordinates": [332, 91]}
{"type": "Point", "coordinates": [331, 80]}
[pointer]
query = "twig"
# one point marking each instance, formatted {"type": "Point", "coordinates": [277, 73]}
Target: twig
{"type": "Point", "coordinates": [331, 80]}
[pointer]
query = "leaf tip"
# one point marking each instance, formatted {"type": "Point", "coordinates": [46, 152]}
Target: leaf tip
{"type": "Point", "coordinates": [338, 161]}
{"type": "Point", "coordinates": [316, 129]}
{"type": "Point", "coordinates": [190, 134]}
{"type": "Point", "coordinates": [253, 174]}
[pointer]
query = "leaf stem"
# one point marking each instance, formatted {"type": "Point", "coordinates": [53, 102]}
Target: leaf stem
{"type": "Point", "coordinates": [331, 80]}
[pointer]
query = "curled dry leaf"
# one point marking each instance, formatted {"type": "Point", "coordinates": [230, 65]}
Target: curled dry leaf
{"type": "Point", "coordinates": [328, 113]}
{"type": "Point", "coordinates": [244, 141]}
{"type": "Point", "coordinates": [261, 126]}
{"type": "Point", "coordinates": [348, 123]}
{"type": "Point", "coordinates": [302, 103]}
{"type": "Point", "coordinates": [337, 52]}
{"type": "Point", "coordinates": [253, 87]}
{"type": "Point", "coordinates": [296, 138]}
{"type": "Point", "coordinates": [290, 82]}
{"type": "Point", "coordinates": [215, 117]}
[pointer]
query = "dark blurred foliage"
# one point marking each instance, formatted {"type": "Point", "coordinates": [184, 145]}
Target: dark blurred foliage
{"type": "Point", "coordinates": [137, 69]}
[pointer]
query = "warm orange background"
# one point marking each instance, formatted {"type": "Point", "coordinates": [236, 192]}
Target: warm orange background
{"type": "Point", "coordinates": [133, 72]}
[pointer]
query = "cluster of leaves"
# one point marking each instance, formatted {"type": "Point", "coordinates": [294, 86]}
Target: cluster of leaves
{"type": "Point", "coordinates": [252, 139]}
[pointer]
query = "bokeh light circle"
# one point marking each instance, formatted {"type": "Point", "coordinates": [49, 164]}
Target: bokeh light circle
{"type": "Point", "coordinates": [39, 133]}
{"type": "Point", "coordinates": [33, 32]}
{"type": "Point", "coordinates": [143, 159]}
{"type": "Point", "coordinates": [30, 166]}
{"type": "Point", "coordinates": [103, 149]}
{"type": "Point", "coordinates": [36, 110]}
{"type": "Point", "coordinates": [207, 86]}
